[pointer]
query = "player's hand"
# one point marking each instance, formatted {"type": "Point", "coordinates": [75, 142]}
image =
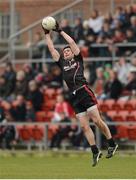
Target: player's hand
{"type": "Point", "coordinates": [57, 28]}
{"type": "Point", "coordinates": [45, 30]}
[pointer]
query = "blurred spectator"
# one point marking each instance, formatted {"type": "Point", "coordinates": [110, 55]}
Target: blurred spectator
{"type": "Point", "coordinates": [108, 18]}
{"type": "Point", "coordinates": [99, 82]}
{"type": "Point", "coordinates": [128, 14]}
{"type": "Point", "coordinates": [106, 31]}
{"type": "Point", "coordinates": [131, 85]}
{"type": "Point", "coordinates": [7, 132]}
{"type": "Point", "coordinates": [10, 77]}
{"type": "Point", "coordinates": [113, 87]}
{"type": "Point", "coordinates": [130, 37]}
{"type": "Point", "coordinates": [87, 30]}
{"type": "Point", "coordinates": [118, 36]}
{"type": "Point", "coordinates": [2, 115]}
{"type": "Point", "coordinates": [37, 51]}
{"type": "Point", "coordinates": [62, 107]}
{"type": "Point", "coordinates": [120, 14]}
{"type": "Point", "coordinates": [30, 113]}
{"type": "Point", "coordinates": [29, 73]}
{"type": "Point", "coordinates": [133, 62]}
{"type": "Point", "coordinates": [56, 76]}
{"type": "Point", "coordinates": [116, 24]}
{"type": "Point", "coordinates": [34, 95]}
{"type": "Point", "coordinates": [107, 70]}
{"type": "Point", "coordinates": [62, 132]}
{"type": "Point", "coordinates": [19, 109]}
{"type": "Point", "coordinates": [78, 30]}
{"type": "Point", "coordinates": [4, 91]}
{"type": "Point", "coordinates": [46, 74]}
{"type": "Point", "coordinates": [21, 83]}
{"type": "Point", "coordinates": [95, 22]}
{"type": "Point", "coordinates": [133, 24]}
{"type": "Point", "coordinates": [64, 24]}
{"type": "Point", "coordinates": [39, 79]}
{"type": "Point", "coordinates": [122, 69]}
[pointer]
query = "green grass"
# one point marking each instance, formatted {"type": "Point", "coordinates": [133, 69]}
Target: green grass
{"type": "Point", "coordinates": [65, 165]}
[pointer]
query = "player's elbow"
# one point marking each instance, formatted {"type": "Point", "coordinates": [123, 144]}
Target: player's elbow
{"type": "Point", "coordinates": [72, 42]}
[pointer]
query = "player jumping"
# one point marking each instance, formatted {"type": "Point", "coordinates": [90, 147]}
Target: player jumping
{"type": "Point", "coordinates": [82, 98]}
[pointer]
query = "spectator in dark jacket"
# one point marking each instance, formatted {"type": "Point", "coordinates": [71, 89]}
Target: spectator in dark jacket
{"type": "Point", "coordinates": [78, 30]}
{"type": "Point", "coordinates": [34, 95]}
{"type": "Point", "coordinates": [3, 87]}
{"type": "Point", "coordinates": [29, 73]}
{"type": "Point", "coordinates": [21, 83]}
{"type": "Point", "coordinates": [20, 109]}
{"type": "Point", "coordinates": [62, 132]}
{"type": "Point", "coordinates": [30, 112]}
{"type": "Point", "coordinates": [131, 81]}
{"type": "Point", "coordinates": [65, 27]}
{"type": "Point", "coordinates": [113, 88]}
{"type": "Point", "coordinates": [10, 77]}
{"type": "Point", "coordinates": [7, 132]}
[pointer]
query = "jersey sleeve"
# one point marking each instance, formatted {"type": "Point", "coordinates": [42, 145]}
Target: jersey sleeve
{"type": "Point", "coordinates": [78, 57]}
{"type": "Point", "coordinates": [59, 62]}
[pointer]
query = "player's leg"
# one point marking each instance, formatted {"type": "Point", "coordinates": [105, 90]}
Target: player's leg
{"type": "Point", "coordinates": [84, 121]}
{"type": "Point", "coordinates": [96, 118]}
{"type": "Point", "coordinates": [90, 104]}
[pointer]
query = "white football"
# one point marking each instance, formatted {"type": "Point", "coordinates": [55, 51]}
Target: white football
{"type": "Point", "coordinates": [49, 23]}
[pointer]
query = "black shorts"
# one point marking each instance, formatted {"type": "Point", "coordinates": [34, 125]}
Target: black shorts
{"type": "Point", "coordinates": [83, 99]}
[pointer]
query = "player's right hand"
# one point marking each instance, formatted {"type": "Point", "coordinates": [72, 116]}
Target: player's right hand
{"type": "Point", "coordinates": [45, 30]}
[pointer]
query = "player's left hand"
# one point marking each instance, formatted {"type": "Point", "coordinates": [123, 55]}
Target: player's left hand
{"type": "Point", "coordinates": [57, 28]}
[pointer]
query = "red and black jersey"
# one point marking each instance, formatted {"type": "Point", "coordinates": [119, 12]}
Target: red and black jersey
{"type": "Point", "coordinates": [73, 72]}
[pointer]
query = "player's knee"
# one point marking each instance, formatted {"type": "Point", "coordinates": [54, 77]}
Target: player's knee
{"type": "Point", "coordinates": [85, 127]}
{"type": "Point", "coordinates": [97, 121]}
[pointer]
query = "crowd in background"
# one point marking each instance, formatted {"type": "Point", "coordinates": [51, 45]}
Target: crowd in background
{"type": "Point", "coordinates": [21, 91]}
{"type": "Point", "coordinates": [99, 29]}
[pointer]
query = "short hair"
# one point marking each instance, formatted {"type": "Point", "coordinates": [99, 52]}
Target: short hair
{"type": "Point", "coordinates": [66, 47]}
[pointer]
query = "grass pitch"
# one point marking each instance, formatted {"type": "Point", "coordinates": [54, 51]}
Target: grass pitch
{"type": "Point", "coordinates": [65, 165]}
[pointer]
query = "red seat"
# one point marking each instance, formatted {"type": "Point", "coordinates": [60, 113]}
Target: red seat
{"type": "Point", "coordinates": [132, 132]}
{"type": "Point", "coordinates": [40, 116]}
{"type": "Point", "coordinates": [130, 105]}
{"type": "Point", "coordinates": [110, 103]}
{"type": "Point", "coordinates": [118, 116]}
{"type": "Point", "coordinates": [25, 132]}
{"type": "Point", "coordinates": [103, 106]}
{"type": "Point", "coordinates": [120, 105]}
{"type": "Point", "coordinates": [122, 132]}
{"type": "Point", "coordinates": [131, 116]}
{"type": "Point", "coordinates": [37, 133]}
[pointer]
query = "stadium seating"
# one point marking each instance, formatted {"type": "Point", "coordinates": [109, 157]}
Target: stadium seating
{"type": "Point", "coordinates": [25, 132]}
{"type": "Point", "coordinates": [132, 132]}
{"type": "Point", "coordinates": [122, 132]}
{"type": "Point", "coordinates": [118, 116]}
{"type": "Point", "coordinates": [41, 116]}
{"type": "Point", "coordinates": [37, 133]}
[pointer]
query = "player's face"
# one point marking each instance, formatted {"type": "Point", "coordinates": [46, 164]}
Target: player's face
{"type": "Point", "coordinates": [68, 54]}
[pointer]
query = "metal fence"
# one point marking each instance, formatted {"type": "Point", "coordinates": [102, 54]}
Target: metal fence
{"type": "Point", "coordinates": [45, 141]}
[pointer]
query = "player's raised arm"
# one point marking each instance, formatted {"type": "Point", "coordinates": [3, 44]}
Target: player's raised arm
{"type": "Point", "coordinates": [75, 49]}
{"type": "Point", "coordinates": [55, 54]}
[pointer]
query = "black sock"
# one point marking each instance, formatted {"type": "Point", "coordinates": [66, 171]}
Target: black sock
{"type": "Point", "coordinates": [111, 142]}
{"type": "Point", "coordinates": [94, 149]}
